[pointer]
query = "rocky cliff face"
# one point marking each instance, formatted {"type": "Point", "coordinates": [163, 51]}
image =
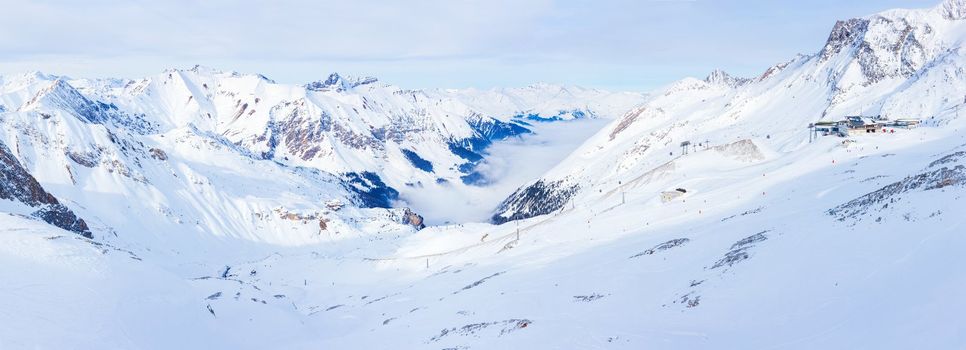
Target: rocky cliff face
{"type": "Point", "coordinates": [18, 185]}
{"type": "Point", "coordinates": [894, 44]}
{"type": "Point", "coordinates": [844, 35]}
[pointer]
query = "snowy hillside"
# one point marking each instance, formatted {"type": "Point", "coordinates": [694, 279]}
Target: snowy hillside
{"type": "Point", "coordinates": [896, 64]}
{"type": "Point", "coordinates": [228, 211]}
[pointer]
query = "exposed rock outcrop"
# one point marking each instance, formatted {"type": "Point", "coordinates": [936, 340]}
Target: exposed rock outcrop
{"type": "Point", "coordinates": [411, 218]}
{"type": "Point", "coordinates": [939, 174]}
{"type": "Point", "coordinates": [18, 185]}
{"type": "Point", "coordinates": [542, 197]}
{"type": "Point", "coordinates": [844, 34]}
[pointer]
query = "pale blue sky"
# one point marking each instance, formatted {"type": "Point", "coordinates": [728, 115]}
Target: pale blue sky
{"type": "Point", "coordinates": [618, 45]}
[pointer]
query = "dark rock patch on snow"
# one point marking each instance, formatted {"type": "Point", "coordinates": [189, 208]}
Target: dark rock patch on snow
{"type": "Point", "coordinates": [662, 247]}
{"type": "Point", "coordinates": [17, 184]}
{"type": "Point", "coordinates": [539, 198]}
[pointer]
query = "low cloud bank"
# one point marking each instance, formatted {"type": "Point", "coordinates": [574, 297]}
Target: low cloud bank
{"type": "Point", "coordinates": [509, 165]}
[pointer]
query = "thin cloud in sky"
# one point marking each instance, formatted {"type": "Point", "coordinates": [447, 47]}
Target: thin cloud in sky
{"type": "Point", "coordinates": [620, 44]}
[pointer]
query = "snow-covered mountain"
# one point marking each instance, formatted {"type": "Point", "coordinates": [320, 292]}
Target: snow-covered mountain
{"type": "Point", "coordinates": [209, 234]}
{"type": "Point", "coordinates": [895, 64]}
{"type": "Point", "coordinates": [345, 124]}
{"type": "Point", "coordinates": [186, 137]}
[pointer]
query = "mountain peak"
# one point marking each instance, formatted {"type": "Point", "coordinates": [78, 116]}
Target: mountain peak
{"type": "Point", "coordinates": [62, 95]}
{"type": "Point", "coordinates": [27, 78]}
{"type": "Point", "coordinates": [206, 70]}
{"type": "Point", "coordinates": [38, 75]}
{"type": "Point", "coordinates": [197, 69]}
{"type": "Point", "coordinates": [544, 85]}
{"type": "Point", "coordinates": [720, 77]}
{"type": "Point", "coordinates": [202, 70]}
{"type": "Point", "coordinates": [339, 83]}
{"type": "Point", "coordinates": [843, 34]}
{"type": "Point", "coordinates": [58, 91]}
